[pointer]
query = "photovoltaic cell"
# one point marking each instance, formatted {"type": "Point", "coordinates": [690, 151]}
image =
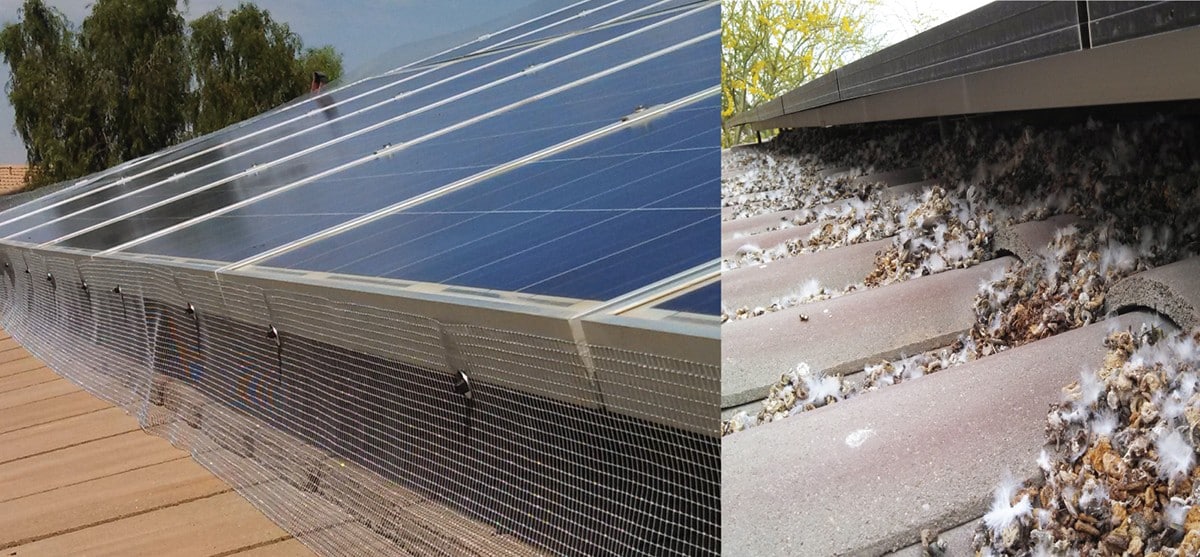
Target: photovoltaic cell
{"type": "Point", "coordinates": [705, 300]}
{"type": "Point", "coordinates": [310, 208]}
{"type": "Point", "coordinates": [571, 19]}
{"type": "Point", "coordinates": [599, 220]}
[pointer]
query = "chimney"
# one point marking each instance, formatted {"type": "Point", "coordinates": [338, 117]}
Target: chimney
{"type": "Point", "coordinates": [319, 79]}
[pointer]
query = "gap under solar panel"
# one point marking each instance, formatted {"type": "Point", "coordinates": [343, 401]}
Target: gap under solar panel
{"type": "Point", "coordinates": [705, 300]}
{"type": "Point", "coordinates": [594, 222]}
{"type": "Point", "coordinates": [643, 43]}
{"type": "Point", "coordinates": [425, 166]}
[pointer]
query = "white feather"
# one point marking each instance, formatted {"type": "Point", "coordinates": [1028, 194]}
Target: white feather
{"type": "Point", "coordinates": [809, 290]}
{"type": "Point", "coordinates": [1175, 456]}
{"type": "Point", "coordinates": [822, 387]}
{"type": "Point", "coordinates": [1105, 424]}
{"type": "Point", "coordinates": [1004, 512]}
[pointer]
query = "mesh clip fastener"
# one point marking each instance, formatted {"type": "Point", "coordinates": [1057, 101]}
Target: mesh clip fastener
{"type": "Point", "coordinates": [462, 386]}
{"type": "Point", "coordinates": [273, 334]}
{"type": "Point", "coordinates": [191, 310]}
{"type": "Point", "coordinates": [117, 290]}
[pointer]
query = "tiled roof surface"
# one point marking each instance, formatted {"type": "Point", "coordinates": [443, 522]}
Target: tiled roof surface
{"type": "Point", "coordinates": [12, 177]}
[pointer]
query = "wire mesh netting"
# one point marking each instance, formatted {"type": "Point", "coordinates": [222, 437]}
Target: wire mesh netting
{"type": "Point", "coordinates": [367, 430]}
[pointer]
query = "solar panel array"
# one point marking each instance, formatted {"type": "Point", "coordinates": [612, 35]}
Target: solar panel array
{"type": "Point", "coordinates": [998, 35]}
{"type": "Point", "coordinates": [473, 299]}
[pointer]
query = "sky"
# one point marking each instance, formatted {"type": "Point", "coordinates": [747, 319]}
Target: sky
{"type": "Point", "coordinates": [368, 32]}
{"type": "Point", "coordinates": [894, 17]}
{"type": "Point", "coordinates": [362, 30]}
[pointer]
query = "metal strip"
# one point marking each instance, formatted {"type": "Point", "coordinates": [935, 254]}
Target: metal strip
{"type": "Point", "coordinates": [1110, 74]}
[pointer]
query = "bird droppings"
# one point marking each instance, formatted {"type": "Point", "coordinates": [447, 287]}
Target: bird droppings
{"type": "Point", "coordinates": [858, 437]}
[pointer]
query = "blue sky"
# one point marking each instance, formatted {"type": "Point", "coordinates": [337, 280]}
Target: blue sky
{"type": "Point", "coordinates": [362, 30]}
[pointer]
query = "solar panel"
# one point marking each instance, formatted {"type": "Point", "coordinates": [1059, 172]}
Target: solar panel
{"type": "Point", "coordinates": [430, 147]}
{"type": "Point", "coordinates": [594, 222]}
{"type": "Point", "coordinates": [568, 19]}
{"type": "Point", "coordinates": [705, 300]}
{"type": "Point", "coordinates": [469, 305]}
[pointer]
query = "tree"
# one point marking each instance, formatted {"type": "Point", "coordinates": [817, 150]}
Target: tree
{"type": "Point", "coordinates": [325, 60]}
{"type": "Point", "coordinates": [247, 63]}
{"type": "Point", "coordinates": [132, 80]}
{"type": "Point", "coordinates": [56, 112]}
{"type": "Point", "coordinates": [137, 53]}
{"type": "Point", "coordinates": [769, 47]}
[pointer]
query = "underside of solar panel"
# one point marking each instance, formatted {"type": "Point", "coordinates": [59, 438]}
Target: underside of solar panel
{"type": "Point", "coordinates": [485, 283]}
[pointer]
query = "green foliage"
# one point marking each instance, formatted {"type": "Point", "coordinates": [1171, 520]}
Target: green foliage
{"type": "Point", "coordinates": [769, 47]}
{"type": "Point", "coordinates": [56, 111]}
{"type": "Point", "coordinates": [132, 80]}
{"type": "Point", "coordinates": [325, 60]}
{"type": "Point", "coordinates": [136, 52]}
{"type": "Point", "coordinates": [247, 63]}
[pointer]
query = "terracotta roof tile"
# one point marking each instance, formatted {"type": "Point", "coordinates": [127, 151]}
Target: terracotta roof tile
{"type": "Point", "coordinates": [12, 177]}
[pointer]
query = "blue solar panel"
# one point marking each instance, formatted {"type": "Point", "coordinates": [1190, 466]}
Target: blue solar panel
{"type": "Point", "coordinates": [705, 300]}
{"type": "Point", "coordinates": [321, 119]}
{"type": "Point", "coordinates": [570, 19]}
{"type": "Point", "coordinates": [305, 210]}
{"type": "Point", "coordinates": [327, 118]}
{"type": "Point", "coordinates": [599, 220]}
{"type": "Point", "coordinates": [600, 217]}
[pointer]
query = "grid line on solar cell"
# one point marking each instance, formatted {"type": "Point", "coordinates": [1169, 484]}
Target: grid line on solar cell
{"type": "Point", "coordinates": [532, 35]}
{"type": "Point", "coordinates": [431, 59]}
{"type": "Point", "coordinates": [385, 152]}
{"type": "Point", "coordinates": [380, 124]}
